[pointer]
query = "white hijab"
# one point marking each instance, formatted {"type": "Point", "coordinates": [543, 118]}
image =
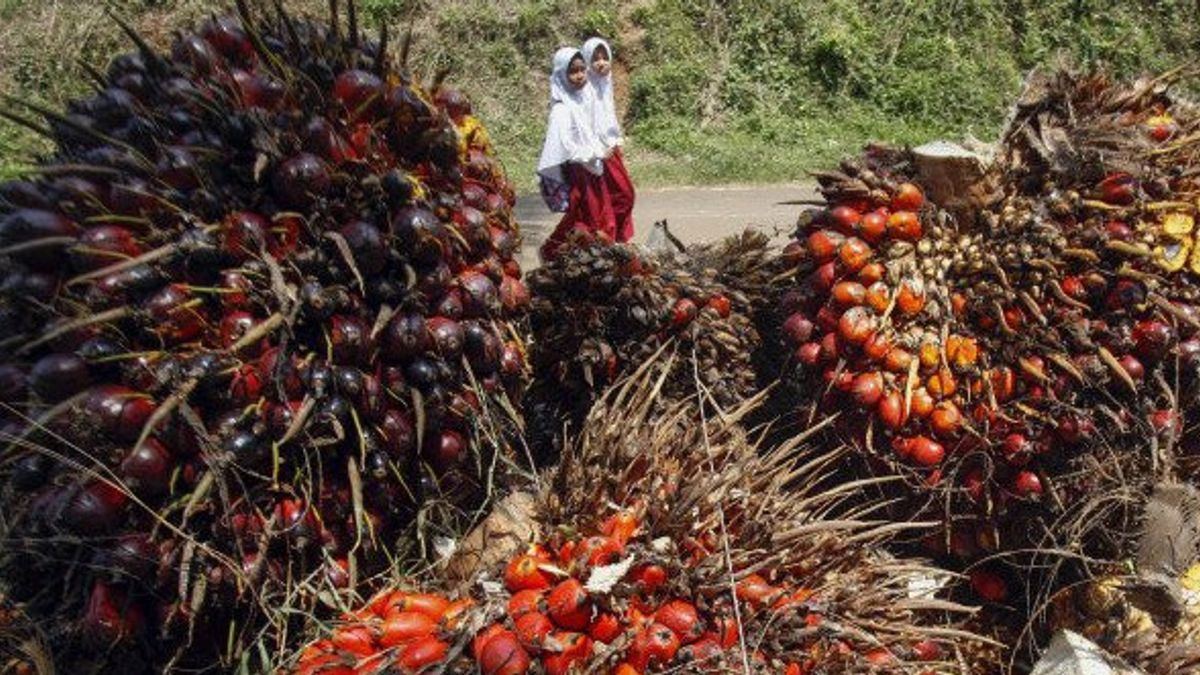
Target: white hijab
{"type": "Point", "coordinates": [569, 134]}
{"type": "Point", "coordinates": [604, 108]}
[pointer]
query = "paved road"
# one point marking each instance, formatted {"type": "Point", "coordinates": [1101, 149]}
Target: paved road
{"type": "Point", "coordinates": [693, 214]}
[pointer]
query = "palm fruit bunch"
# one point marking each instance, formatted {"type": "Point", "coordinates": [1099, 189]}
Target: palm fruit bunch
{"type": "Point", "coordinates": [671, 543]}
{"type": "Point", "coordinates": [256, 312]}
{"type": "Point", "coordinates": [1145, 610]}
{"type": "Point", "coordinates": [601, 309]}
{"type": "Point", "coordinates": [1017, 363]}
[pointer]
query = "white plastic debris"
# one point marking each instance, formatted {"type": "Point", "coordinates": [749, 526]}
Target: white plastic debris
{"type": "Point", "coordinates": [1070, 653]}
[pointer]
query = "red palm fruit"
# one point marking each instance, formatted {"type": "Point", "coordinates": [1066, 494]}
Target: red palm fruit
{"type": "Point", "coordinates": [809, 354]}
{"type": "Point", "coordinates": [849, 293]}
{"type": "Point", "coordinates": [620, 526]}
{"type": "Point", "coordinates": [1017, 449]}
{"type": "Point", "coordinates": [880, 657]}
{"type": "Point", "coordinates": [404, 627]}
{"type": "Point", "coordinates": [605, 628]}
{"type": "Point", "coordinates": [854, 253]}
{"type": "Point", "coordinates": [703, 650]}
{"type": "Point", "coordinates": [910, 297]}
{"type": "Point", "coordinates": [523, 574]}
{"type": "Point", "coordinates": [358, 640]}
{"type": "Point", "coordinates": [1133, 367]}
{"type": "Point", "coordinates": [942, 383]}
{"type": "Point", "coordinates": [95, 507]}
{"type": "Point", "coordinates": [682, 618]}
{"type": "Point", "coordinates": [827, 318]}
{"type": "Point", "coordinates": [927, 650]}
{"type": "Point", "coordinates": [422, 653]}
{"type": "Point", "coordinates": [844, 219]}
{"type": "Point", "coordinates": [989, 585]}
{"type": "Point", "coordinates": [654, 646]}
{"type": "Point", "coordinates": [871, 273]}
{"type": "Point", "coordinates": [596, 551]}
{"type": "Point", "coordinates": [624, 668]}
{"type": "Point", "coordinates": [867, 389]}
{"type": "Point", "coordinates": [523, 602]}
{"type": "Point", "coordinates": [877, 346]}
{"type": "Point", "coordinates": [721, 305]}
{"type": "Point", "coordinates": [974, 484]}
{"type": "Point", "coordinates": [908, 197]}
{"type": "Point", "coordinates": [755, 590]}
{"type": "Point", "coordinates": [564, 650]}
{"type": "Point", "coordinates": [1027, 484]}
{"type": "Point", "coordinates": [873, 227]}
{"type": "Point", "coordinates": [823, 245]}
{"type": "Point", "coordinates": [727, 632]}
{"type": "Point", "coordinates": [926, 451]}
{"type": "Point", "coordinates": [823, 278]}
{"type": "Point", "coordinates": [1118, 188]}
{"type": "Point", "coordinates": [856, 325]}
{"type": "Point", "coordinates": [961, 352]}
{"type": "Point", "coordinates": [648, 578]}
{"type": "Point", "coordinates": [897, 360]}
{"type": "Point", "coordinates": [797, 329]}
{"type": "Point", "coordinates": [1003, 381]}
{"type": "Point", "coordinates": [945, 420]}
{"type": "Point", "coordinates": [568, 605]}
{"type": "Point", "coordinates": [532, 629]}
{"type": "Point", "coordinates": [147, 468]}
{"type": "Point", "coordinates": [683, 312]}
{"type": "Point", "coordinates": [455, 612]}
{"type": "Point", "coordinates": [1152, 339]}
{"type": "Point", "coordinates": [432, 606]}
{"type": "Point", "coordinates": [104, 245]}
{"type": "Point", "coordinates": [891, 410]}
{"type": "Point", "coordinates": [1161, 127]}
{"type": "Point", "coordinates": [922, 403]}
{"type": "Point", "coordinates": [904, 225]}
{"type": "Point", "coordinates": [502, 654]}
{"type": "Point", "coordinates": [793, 253]}
{"type": "Point", "coordinates": [110, 616]}
{"type": "Point", "coordinates": [481, 639]}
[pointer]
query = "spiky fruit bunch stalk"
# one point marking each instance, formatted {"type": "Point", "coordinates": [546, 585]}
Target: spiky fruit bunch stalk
{"type": "Point", "coordinates": [601, 309]}
{"type": "Point", "coordinates": [255, 320]}
{"type": "Point", "coordinates": [670, 544]}
{"type": "Point", "coordinates": [1019, 361]}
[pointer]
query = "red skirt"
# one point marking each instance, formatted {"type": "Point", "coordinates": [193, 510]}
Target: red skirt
{"type": "Point", "coordinates": [589, 210]}
{"type": "Point", "coordinates": [620, 188]}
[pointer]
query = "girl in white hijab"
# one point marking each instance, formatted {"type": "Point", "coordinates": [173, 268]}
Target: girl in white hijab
{"type": "Point", "coordinates": [571, 167]}
{"type": "Point", "coordinates": [598, 55]}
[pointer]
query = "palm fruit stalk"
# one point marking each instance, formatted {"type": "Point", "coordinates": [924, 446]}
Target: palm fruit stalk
{"type": "Point", "coordinates": [601, 309]}
{"type": "Point", "coordinates": [1028, 369]}
{"type": "Point", "coordinates": [670, 543]}
{"type": "Point", "coordinates": [1146, 610]}
{"type": "Point", "coordinates": [255, 327]}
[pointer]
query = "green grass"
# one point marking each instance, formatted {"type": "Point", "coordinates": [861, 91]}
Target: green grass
{"type": "Point", "coordinates": [715, 91]}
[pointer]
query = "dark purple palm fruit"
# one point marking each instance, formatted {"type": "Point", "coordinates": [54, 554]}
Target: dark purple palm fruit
{"type": "Point", "coordinates": [238, 291]}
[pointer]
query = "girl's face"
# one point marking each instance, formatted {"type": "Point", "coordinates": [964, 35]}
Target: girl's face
{"type": "Point", "coordinates": [600, 62]}
{"type": "Point", "coordinates": [577, 73]}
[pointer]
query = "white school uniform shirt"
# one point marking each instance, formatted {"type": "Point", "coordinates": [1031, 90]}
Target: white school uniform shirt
{"type": "Point", "coordinates": [569, 133]}
{"type": "Point", "coordinates": [603, 106]}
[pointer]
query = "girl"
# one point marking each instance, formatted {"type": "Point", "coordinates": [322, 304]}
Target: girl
{"type": "Point", "coordinates": [572, 157]}
{"type": "Point", "coordinates": [598, 55]}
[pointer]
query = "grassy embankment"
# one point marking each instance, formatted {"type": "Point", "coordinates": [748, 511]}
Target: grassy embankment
{"type": "Point", "coordinates": [716, 91]}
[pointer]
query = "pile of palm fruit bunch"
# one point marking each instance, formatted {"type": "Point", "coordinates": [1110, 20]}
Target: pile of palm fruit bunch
{"type": "Point", "coordinates": [255, 340]}
{"type": "Point", "coordinates": [1024, 365]}
{"type": "Point", "coordinates": [601, 309]}
{"type": "Point", "coordinates": [668, 542]}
